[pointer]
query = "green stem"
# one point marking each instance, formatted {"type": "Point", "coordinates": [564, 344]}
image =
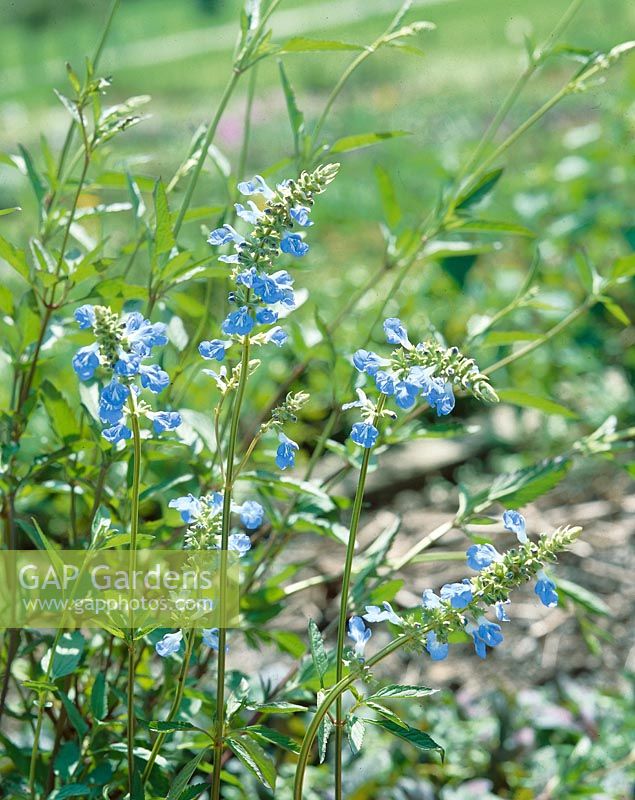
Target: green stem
{"type": "Point", "coordinates": [222, 631]}
{"type": "Point", "coordinates": [207, 141]}
{"type": "Point", "coordinates": [174, 708]}
{"type": "Point", "coordinates": [346, 582]}
{"type": "Point", "coordinates": [334, 695]}
{"type": "Point", "coordinates": [132, 563]}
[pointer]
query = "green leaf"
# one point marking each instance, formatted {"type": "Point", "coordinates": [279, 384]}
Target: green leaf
{"type": "Point", "coordinates": [170, 727]}
{"type": "Point", "coordinates": [479, 190]}
{"type": "Point", "coordinates": [68, 654]}
{"type": "Point", "coordinates": [99, 697]}
{"type": "Point", "coordinates": [39, 189]}
{"type": "Point", "coordinates": [360, 140]}
{"type": "Point", "coordinates": [355, 730]}
{"type": "Point", "coordinates": [255, 759]}
{"type": "Point", "coordinates": [416, 737]}
{"type": "Point", "coordinates": [277, 707]}
{"type": "Point", "coordinates": [179, 784]}
{"type": "Point", "coordinates": [15, 258]}
{"type": "Point", "coordinates": [325, 730]}
{"type": "Point", "coordinates": [302, 44]}
{"type": "Point", "coordinates": [388, 195]}
{"type": "Point", "coordinates": [5, 211]}
{"type": "Point", "coordinates": [296, 117]}
{"type": "Point", "coordinates": [74, 716]}
{"type": "Point", "coordinates": [583, 597]}
{"type": "Point", "coordinates": [401, 690]}
{"type": "Point", "coordinates": [163, 237]}
{"type": "Point", "coordinates": [518, 488]}
{"type": "Point", "coordinates": [272, 480]}
{"type": "Point", "coordinates": [261, 733]}
{"type": "Point", "coordinates": [623, 269]}
{"type": "Point", "coordinates": [385, 712]}
{"type": "Point", "coordinates": [617, 311]}
{"type": "Point", "coordinates": [318, 653]}
{"type": "Point", "coordinates": [504, 338]}
{"type": "Point", "coordinates": [526, 400]}
{"type": "Point", "coordinates": [60, 413]}
{"type": "Point", "coordinates": [491, 226]}
{"type": "Point", "coordinates": [71, 790]}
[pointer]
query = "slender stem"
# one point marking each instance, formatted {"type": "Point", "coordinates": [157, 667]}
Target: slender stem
{"type": "Point", "coordinates": [346, 582]}
{"type": "Point", "coordinates": [174, 708]}
{"type": "Point", "coordinates": [132, 562]}
{"type": "Point", "coordinates": [333, 695]}
{"type": "Point", "coordinates": [222, 631]}
{"type": "Point", "coordinates": [207, 141]}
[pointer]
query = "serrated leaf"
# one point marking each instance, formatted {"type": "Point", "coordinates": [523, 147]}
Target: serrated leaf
{"type": "Point", "coordinates": [255, 759]}
{"type": "Point", "coordinates": [68, 654]}
{"type": "Point", "coordinates": [360, 140]}
{"type": "Point", "coordinates": [277, 707]}
{"type": "Point", "coordinates": [325, 730]}
{"type": "Point", "coordinates": [518, 488]}
{"type": "Point", "coordinates": [355, 730]}
{"type": "Point", "coordinates": [526, 400]}
{"type": "Point", "coordinates": [318, 653]}
{"type": "Point", "coordinates": [261, 733]}
{"type": "Point", "coordinates": [415, 737]}
{"type": "Point", "coordinates": [15, 258]}
{"type": "Point", "coordinates": [170, 727]}
{"type": "Point", "coordinates": [179, 784]}
{"type": "Point", "coordinates": [385, 712]}
{"type": "Point", "coordinates": [74, 716]}
{"type": "Point", "coordinates": [396, 690]}
{"type": "Point", "coordinates": [479, 190]}
{"type": "Point", "coordinates": [163, 236]}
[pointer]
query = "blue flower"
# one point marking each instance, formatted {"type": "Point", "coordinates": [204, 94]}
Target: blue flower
{"type": "Point", "coordinates": [143, 335]}
{"type": "Point", "coordinates": [480, 556]}
{"type": "Point", "coordinates": [210, 638]}
{"type": "Point", "coordinates": [239, 542]}
{"type": "Point", "coordinates": [396, 332]}
{"type": "Point", "coordinates": [430, 600]}
{"type": "Point", "coordinates": [385, 382]}
{"type": "Point", "coordinates": [364, 434]}
{"type": "Point", "coordinates": [171, 643]}
{"type": "Point", "coordinates": [256, 185]}
{"type": "Point", "coordinates": [459, 595]}
{"type": "Point", "coordinates": [189, 507]}
{"type": "Point", "coordinates": [368, 362]}
{"type": "Point", "coordinates": [274, 288]}
{"type": "Point", "coordinates": [247, 277]}
{"type": "Point", "coordinates": [277, 336]}
{"type": "Point", "coordinates": [515, 523]}
{"type": "Point", "coordinates": [420, 377]}
{"type": "Point", "coordinates": [300, 214]}
{"type": "Point", "coordinates": [117, 433]}
{"type": "Point", "coordinates": [111, 402]}
{"type": "Point", "coordinates": [438, 650]}
{"type": "Point", "coordinates": [501, 613]}
{"type": "Point", "coordinates": [250, 215]}
{"type": "Point", "coordinates": [285, 454]}
{"type": "Point", "coordinates": [251, 514]}
{"type": "Point", "coordinates": [265, 316]}
{"type": "Point", "coordinates": [224, 235]}
{"type": "Point", "coordinates": [166, 420]}
{"type": "Point", "coordinates": [239, 322]}
{"type": "Point", "coordinates": [128, 364]}
{"type": "Point", "coordinates": [85, 361]}
{"type": "Point", "coordinates": [546, 590]}
{"type": "Point", "coordinates": [214, 349]}
{"type": "Point", "coordinates": [360, 634]}
{"type": "Point", "coordinates": [85, 316]}
{"type": "Point", "coordinates": [376, 614]}
{"type": "Point", "coordinates": [405, 394]}
{"type": "Point", "coordinates": [292, 244]}
{"type": "Point", "coordinates": [154, 378]}
{"type": "Point", "coordinates": [440, 396]}
{"type": "Point", "coordinates": [485, 634]}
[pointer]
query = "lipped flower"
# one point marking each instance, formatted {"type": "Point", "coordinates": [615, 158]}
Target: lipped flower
{"type": "Point", "coordinates": [515, 523]}
{"type": "Point", "coordinates": [210, 638]}
{"type": "Point", "coordinates": [484, 634]}
{"type": "Point", "coordinates": [458, 595]}
{"type": "Point", "coordinates": [122, 345]}
{"type": "Point", "coordinates": [169, 644]}
{"type": "Point", "coordinates": [360, 634]}
{"type": "Point", "coordinates": [239, 543]}
{"type": "Point", "coordinates": [480, 556]}
{"type": "Point", "coordinates": [384, 614]}
{"type": "Point", "coordinates": [214, 349]}
{"type": "Point", "coordinates": [546, 590]}
{"type": "Point", "coordinates": [285, 454]}
{"type": "Point", "coordinates": [437, 649]}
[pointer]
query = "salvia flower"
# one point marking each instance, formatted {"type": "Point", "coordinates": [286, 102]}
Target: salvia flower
{"type": "Point", "coordinates": [484, 634]}
{"type": "Point", "coordinates": [458, 595]}
{"type": "Point", "coordinates": [437, 649]}
{"type": "Point", "coordinates": [360, 634]}
{"type": "Point", "coordinates": [285, 454]}
{"type": "Point", "coordinates": [515, 523]}
{"type": "Point", "coordinates": [214, 349]}
{"type": "Point", "coordinates": [364, 434]}
{"type": "Point", "coordinates": [203, 516]}
{"type": "Point", "coordinates": [123, 343]}
{"type": "Point", "coordinates": [240, 543]}
{"type": "Point", "coordinates": [210, 638]}
{"type": "Point", "coordinates": [169, 644]}
{"type": "Point", "coordinates": [546, 590]}
{"type": "Point", "coordinates": [480, 556]}
{"type": "Point", "coordinates": [385, 614]}
{"type": "Point", "coordinates": [251, 514]}
{"type": "Point", "coordinates": [396, 332]}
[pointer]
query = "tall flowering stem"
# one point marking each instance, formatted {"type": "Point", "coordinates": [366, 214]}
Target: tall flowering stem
{"type": "Point", "coordinates": [346, 582]}
{"type": "Point", "coordinates": [222, 632]}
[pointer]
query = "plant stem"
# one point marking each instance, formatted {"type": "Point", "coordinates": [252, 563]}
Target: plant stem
{"type": "Point", "coordinates": [132, 562]}
{"type": "Point", "coordinates": [174, 708]}
{"type": "Point", "coordinates": [333, 695]}
{"type": "Point", "coordinates": [222, 631]}
{"type": "Point", "coordinates": [346, 581]}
